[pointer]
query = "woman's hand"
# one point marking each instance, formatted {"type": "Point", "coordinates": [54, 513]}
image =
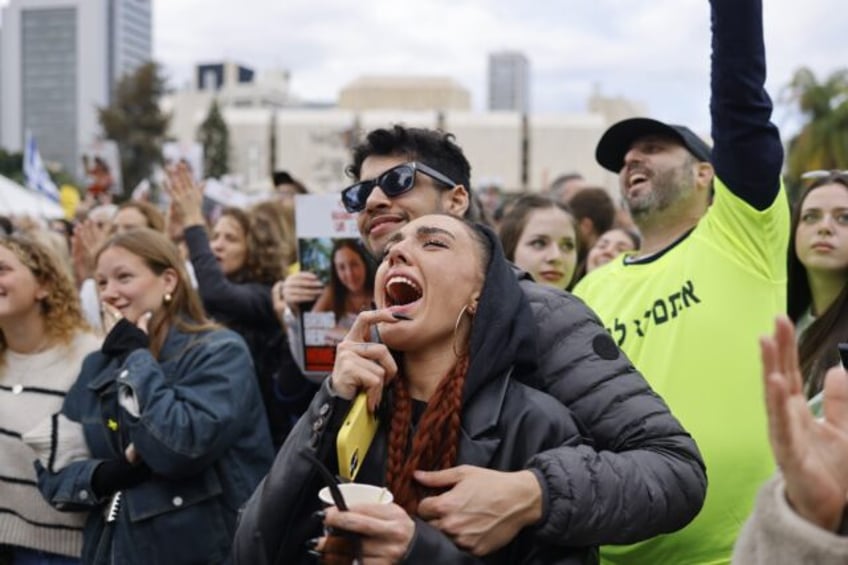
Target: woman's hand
{"type": "Point", "coordinates": [386, 530]}
{"type": "Point", "coordinates": [111, 316]}
{"type": "Point", "coordinates": [362, 365]}
{"type": "Point", "coordinates": [300, 287]}
{"type": "Point", "coordinates": [85, 241]}
{"type": "Point", "coordinates": [186, 197]}
{"type": "Point", "coordinates": [813, 455]}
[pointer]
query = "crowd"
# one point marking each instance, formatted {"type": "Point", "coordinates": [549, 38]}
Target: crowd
{"type": "Point", "coordinates": [155, 406]}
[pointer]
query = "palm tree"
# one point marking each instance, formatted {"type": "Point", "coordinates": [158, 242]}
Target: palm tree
{"type": "Point", "coordinates": [822, 142]}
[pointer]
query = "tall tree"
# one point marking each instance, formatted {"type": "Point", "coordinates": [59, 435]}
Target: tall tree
{"type": "Point", "coordinates": [12, 165]}
{"type": "Point", "coordinates": [822, 142]}
{"type": "Point", "coordinates": [214, 135]}
{"type": "Point", "coordinates": [136, 123]}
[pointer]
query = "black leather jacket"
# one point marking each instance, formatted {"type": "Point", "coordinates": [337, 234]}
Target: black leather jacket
{"type": "Point", "coordinates": [504, 423]}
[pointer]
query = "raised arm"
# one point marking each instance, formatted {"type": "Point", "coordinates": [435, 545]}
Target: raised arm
{"type": "Point", "coordinates": [747, 152]}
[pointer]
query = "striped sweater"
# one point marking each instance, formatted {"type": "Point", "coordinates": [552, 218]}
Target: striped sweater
{"type": "Point", "coordinates": [32, 387]}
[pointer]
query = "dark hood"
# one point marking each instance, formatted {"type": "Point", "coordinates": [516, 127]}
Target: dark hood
{"type": "Point", "coordinates": [503, 329]}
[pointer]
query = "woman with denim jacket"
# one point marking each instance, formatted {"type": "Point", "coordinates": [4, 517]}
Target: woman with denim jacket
{"type": "Point", "coordinates": [171, 416]}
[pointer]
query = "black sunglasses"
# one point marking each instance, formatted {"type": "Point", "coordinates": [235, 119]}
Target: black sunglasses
{"type": "Point", "coordinates": [393, 182]}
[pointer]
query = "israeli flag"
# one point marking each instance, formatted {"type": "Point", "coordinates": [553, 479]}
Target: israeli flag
{"type": "Point", "coordinates": [37, 177]}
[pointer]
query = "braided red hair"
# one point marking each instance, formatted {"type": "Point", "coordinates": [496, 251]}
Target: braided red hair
{"type": "Point", "coordinates": [436, 440]}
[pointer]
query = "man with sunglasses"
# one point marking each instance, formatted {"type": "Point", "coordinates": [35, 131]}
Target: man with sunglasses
{"type": "Point", "coordinates": [710, 278]}
{"type": "Point", "coordinates": [642, 459]}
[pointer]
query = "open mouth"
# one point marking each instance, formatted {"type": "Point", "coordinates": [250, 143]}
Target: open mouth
{"type": "Point", "coordinates": [402, 291]}
{"type": "Point", "coordinates": [636, 179]}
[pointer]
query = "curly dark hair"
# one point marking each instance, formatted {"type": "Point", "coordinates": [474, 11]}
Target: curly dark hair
{"type": "Point", "coordinates": [264, 257]}
{"type": "Point", "coordinates": [434, 148]}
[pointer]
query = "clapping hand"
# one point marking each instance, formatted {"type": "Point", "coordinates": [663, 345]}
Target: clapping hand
{"type": "Point", "coordinates": [87, 238]}
{"type": "Point", "coordinates": [186, 197]}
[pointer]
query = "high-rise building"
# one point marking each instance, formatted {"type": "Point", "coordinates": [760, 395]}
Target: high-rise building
{"type": "Point", "coordinates": [509, 82]}
{"type": "Point", "coordinates": [59, 62]}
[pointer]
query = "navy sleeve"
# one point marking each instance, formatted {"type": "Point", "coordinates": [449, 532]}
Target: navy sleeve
{"type": "Point", "coordinates": [747, 153]}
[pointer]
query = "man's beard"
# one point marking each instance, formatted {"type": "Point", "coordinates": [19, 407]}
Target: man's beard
{"type": "Point", "coordinates": [667, 188]}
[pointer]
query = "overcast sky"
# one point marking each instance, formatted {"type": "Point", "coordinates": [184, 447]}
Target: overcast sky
{"type": "Point", "coordinates": [655, 52]}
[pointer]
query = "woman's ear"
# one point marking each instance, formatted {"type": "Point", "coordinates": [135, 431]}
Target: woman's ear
{"type": "Point", "coordinates": [171, 279]}
{"type": "Point", "coordinates": [42, 292]}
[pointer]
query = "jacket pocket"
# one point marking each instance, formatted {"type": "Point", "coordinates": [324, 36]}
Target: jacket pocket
{"type": "Point", "coordinates": [180, 522]}
{"type": "Point", "coordinates": [155, 497]}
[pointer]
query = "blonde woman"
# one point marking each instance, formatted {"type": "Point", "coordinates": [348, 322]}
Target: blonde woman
{"type": "Point", "coordinates": [170, 413]}
{"type": "Point", "coordinates": [43, 340]}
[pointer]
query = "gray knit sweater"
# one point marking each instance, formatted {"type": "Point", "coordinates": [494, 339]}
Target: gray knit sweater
{"type": "Point", "coordinates": [32, 388]}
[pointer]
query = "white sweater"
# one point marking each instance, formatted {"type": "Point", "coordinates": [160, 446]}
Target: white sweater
{"type": "Point", "coordinates": [776, 535]}
{"type": "Point", "coordinates": [32, 388]}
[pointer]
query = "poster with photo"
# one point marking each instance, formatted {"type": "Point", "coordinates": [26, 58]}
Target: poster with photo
{"type": "Point", "coordinates": [191, 154]}
{"type": "Point", "coordinates": [328, 245]}
{"type": "Point", "coordinates": [101, 168]}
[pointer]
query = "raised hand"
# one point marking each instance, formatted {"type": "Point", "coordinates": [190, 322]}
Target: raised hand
{"type": "Point", "coordinates": [186, 196]}
{"type": "Point", "coordinates": [301, 287]}
{"type": "Point", "coordinates": [87, 238]}
{"type": "Point", "coordinates": [812, 454]}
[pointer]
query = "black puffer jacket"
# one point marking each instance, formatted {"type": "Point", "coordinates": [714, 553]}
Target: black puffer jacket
{"type": "Point", "coordinates": [504, 423]}
{"type": "Point", "coordinates": [642, 475]}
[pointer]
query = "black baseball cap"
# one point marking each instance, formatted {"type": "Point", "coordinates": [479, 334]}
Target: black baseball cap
{"type": "Point", "coordinates": [617, 140]}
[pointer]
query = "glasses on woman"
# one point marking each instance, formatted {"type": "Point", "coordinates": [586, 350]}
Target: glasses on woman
{"type": "Point", "coordinates": [824, 174]}
{"type": "Point", "coordinates": [394, 182]}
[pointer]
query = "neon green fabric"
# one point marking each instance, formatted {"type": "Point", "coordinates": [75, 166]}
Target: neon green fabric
{"type": "Point", "coordinates": [689, 320]}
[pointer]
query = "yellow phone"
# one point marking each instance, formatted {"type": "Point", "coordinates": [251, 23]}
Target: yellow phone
{"type": "Point", "coordinates": [355, 436]}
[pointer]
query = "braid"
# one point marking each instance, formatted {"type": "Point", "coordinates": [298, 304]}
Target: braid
{"type": "Point", "coordinates": [436, 440]}
{"type": "Point", "coordinates": [398, 437]}
{"type": "Point", "coordinates": [453, 401]}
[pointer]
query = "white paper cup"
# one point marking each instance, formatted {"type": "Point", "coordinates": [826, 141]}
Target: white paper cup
{"type": "Point", "coordinates": [357, 493]}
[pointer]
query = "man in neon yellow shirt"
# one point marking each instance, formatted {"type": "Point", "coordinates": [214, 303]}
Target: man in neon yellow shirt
{"type": "Point", "coordinates": [709, 279]}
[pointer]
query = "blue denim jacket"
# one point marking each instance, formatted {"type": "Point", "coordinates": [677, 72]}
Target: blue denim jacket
{"type": "Point", "coordinates": [200, 428]}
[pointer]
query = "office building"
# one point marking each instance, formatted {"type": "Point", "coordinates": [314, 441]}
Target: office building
{"type": "Point", "coordinates": [59, 62]}
{"type": "Point", "coordinates": [509, 82]}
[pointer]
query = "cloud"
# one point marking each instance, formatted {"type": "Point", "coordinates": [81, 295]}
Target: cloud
{"type": "Point", "coordinates": [326, 44]}
{"type": "Point", "coordinates": [656, 53]}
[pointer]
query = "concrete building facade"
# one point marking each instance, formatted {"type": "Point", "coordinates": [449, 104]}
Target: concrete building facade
{"type": "Point", "coordinates": [514, 151]}
{"type": "Point", "coordinates": [405, 93]}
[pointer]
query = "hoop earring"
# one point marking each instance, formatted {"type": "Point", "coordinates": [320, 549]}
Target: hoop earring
{"type": "Point", "coordinates": [167, 298]}
{"type": "Point", "coordinates": [456, 330]}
